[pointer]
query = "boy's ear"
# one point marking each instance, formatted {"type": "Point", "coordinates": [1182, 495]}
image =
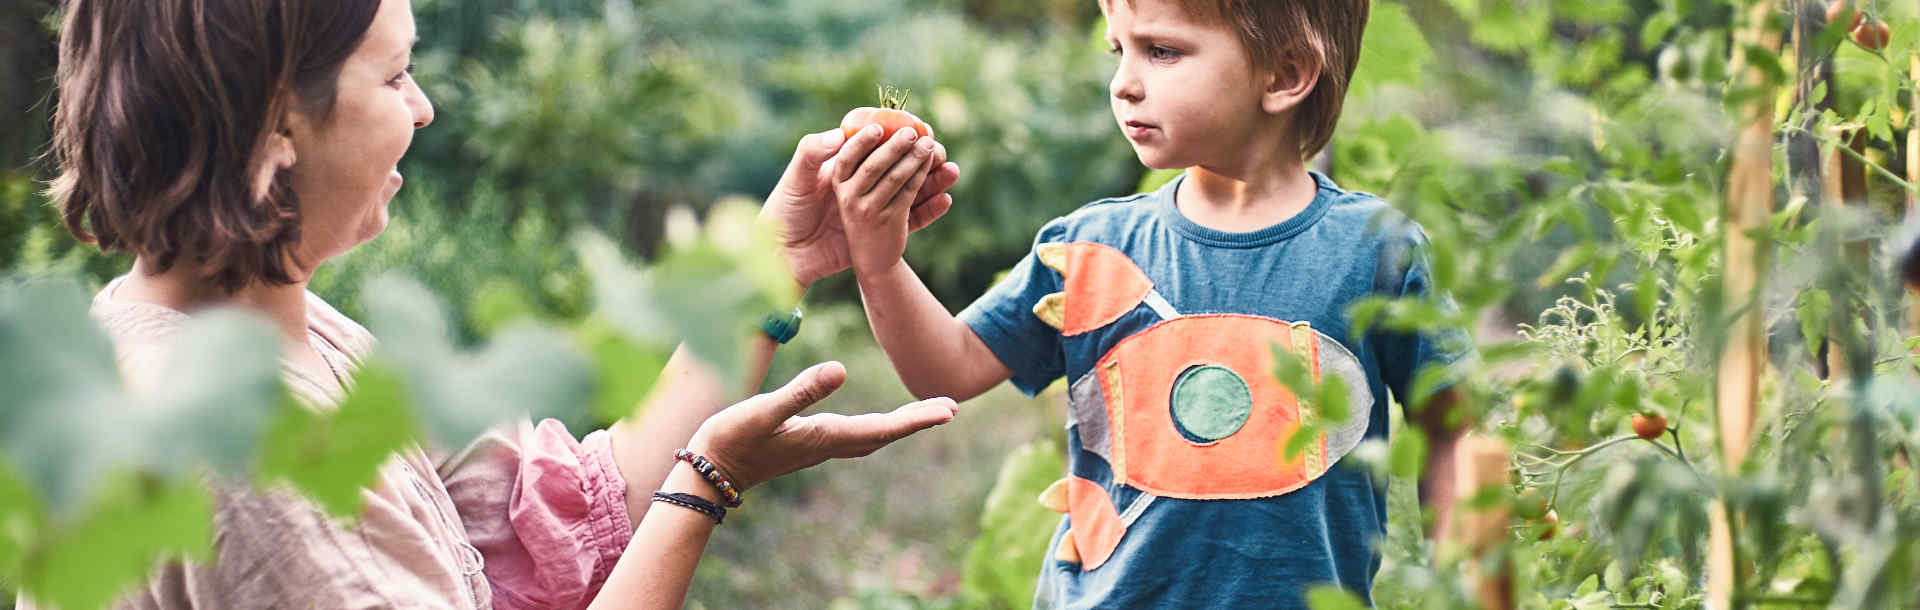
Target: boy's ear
{"type": "Point", "coordinates": [1289, 85]}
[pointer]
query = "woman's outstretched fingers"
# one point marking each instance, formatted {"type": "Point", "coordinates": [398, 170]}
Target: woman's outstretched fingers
{"type": "Point", "coordinates": [915, 417]}
{"type": "Point", "coordinates": [860, 435]}
{"type": "Point", "coordinates": [814, 150]}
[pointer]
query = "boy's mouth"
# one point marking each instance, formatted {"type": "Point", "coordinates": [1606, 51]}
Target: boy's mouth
{"type": "Point", "coordinates": [1136, 130]}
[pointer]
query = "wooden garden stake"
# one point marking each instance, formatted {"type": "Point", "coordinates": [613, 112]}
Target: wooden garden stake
{"type": "Point", "coordinates": [1913, 135]}
{"type": "Point", "coordinates": [1483, 462]}
{"type": "Point", "coordinates": [1749, 202]}
{"type": "Point", "coordinates": [1913, 177]}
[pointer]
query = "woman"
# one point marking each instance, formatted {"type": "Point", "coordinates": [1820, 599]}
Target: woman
{"type": "Point", "coordinates": [232, 146]}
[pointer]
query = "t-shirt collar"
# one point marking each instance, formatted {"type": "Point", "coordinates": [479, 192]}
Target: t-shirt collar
{"type": "Point", "coordinates": [1322, 199]}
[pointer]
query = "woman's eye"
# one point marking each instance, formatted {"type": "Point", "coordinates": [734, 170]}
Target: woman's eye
{"type": "Point", "coordinates": [1114, 50]}
{"type": "Point", "coordinates": [402, 76]}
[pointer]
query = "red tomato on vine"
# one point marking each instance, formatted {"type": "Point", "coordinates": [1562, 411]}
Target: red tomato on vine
{"type": "Point", "coordinates": [1649, 425]}
{"type": "Point", "coordinates": [1838, 10]}
{"type": "Point", "coordinates": [1873, 36]}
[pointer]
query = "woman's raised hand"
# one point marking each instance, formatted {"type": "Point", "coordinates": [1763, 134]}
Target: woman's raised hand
{"type": "Point", "coordinates": [764, 437]}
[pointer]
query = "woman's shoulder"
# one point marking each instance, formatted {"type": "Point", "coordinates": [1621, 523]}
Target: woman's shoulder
{"type": "Point", "coordinates": [141, 333]}
{"type": "Point", "coordinates": [338, 329]}
{"type": "Point", "coordinates": [130, 323]}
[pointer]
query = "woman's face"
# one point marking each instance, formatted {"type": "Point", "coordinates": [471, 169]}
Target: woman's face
{"type": "Point", "coordinates": [345, 168]}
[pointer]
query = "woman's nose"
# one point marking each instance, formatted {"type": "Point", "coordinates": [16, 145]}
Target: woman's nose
{"type": "Point", "coordinates": [422, 108]}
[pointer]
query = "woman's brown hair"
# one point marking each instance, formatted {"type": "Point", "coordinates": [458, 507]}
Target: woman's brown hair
{"type": "Point", "coordinates": [164, 108]}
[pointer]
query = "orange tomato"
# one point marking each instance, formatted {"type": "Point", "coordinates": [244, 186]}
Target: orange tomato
{"type": "Point", "coordinates": [892, 116]}
{"type": "Point", "coordinates": [890, 119]}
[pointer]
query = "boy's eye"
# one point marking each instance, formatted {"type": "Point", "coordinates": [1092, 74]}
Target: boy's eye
{"type": "Point", "coordinates": [1162, 53]}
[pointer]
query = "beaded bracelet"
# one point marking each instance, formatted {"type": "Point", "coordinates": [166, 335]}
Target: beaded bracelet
{"type": "Point", "coordinates": [694, 503]}
{"type": "Point", "coordinates": [706, 469]}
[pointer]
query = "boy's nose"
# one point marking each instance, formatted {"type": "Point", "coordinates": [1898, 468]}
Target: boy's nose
{"type": "Point", "coordinates": [1125, 86]}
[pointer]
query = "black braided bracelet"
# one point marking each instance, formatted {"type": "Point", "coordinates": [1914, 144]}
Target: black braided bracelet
{"type": "Point", "coordinates": [694, 503]}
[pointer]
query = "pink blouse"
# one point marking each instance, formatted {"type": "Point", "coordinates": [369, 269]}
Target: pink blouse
{"type": "Point", "coordinates": [524, 517]}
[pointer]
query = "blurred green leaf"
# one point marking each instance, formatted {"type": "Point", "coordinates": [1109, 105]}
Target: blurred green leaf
{"type": "Point", "coordinates": [332, 456]}
{"type": "Point", "coordinates": [1393, 50]}
{"type": "Point", "coordinates": [1407, 452]}
{"type": "Point", "coordinates": [1014, 528]}
{"type": "Point", "coordinates": [135, 521]}
{"type": "Point", "coordinates": [21, 520]}
{"type": "Point", "coordinates": [1330, 597]}
{"type": "Point", "coordinates": [626, 370]}
{"type": "Point", "coordinates": [460, 393]}
{"type": "Point", "coordinates": [214, 385]}
{"type": "Point", "coordinates": [1813, 314]}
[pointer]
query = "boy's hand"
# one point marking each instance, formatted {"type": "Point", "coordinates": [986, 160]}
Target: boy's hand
{"type": "Point", "coordinates": [876, 180]}
{"type": "Point", "coordinates": [803, 211]}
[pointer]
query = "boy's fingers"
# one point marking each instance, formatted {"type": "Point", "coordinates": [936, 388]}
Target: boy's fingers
{"type": "Point", "coordinates": [883, 160]}
{"type": "Point", "coordinates": [904, 170]}
{"type": "Point", "coordinates": [911, 190]}
{"type": "Point", "coordinates": [943, 178]}
{"type": "Point", "coordinates": [855, 150]}
{"type": "Point", "coordinates": [925, 212]}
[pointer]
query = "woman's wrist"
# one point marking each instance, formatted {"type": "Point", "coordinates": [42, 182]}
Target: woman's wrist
{"type": "Point", "coordinates": [684, 479]}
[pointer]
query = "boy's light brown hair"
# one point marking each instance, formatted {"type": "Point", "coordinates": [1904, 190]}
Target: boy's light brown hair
{"type": "Point", "coordinates": [1287, 33]}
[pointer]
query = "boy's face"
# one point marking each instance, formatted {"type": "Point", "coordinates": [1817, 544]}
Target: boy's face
{"type": "Point", "coordinates": [1185, 92]}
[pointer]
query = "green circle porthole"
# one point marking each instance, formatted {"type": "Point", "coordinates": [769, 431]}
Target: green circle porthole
{"type": "Point", "coordinates": [1209, 403]}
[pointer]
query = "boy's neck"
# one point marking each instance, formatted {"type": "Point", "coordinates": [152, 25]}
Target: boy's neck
{"type": "Point", "coordinates": [1240, 201]}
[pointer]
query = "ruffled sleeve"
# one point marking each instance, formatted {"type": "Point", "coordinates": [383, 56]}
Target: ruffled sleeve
{"type": "Point", "coordinates": [548, 513]}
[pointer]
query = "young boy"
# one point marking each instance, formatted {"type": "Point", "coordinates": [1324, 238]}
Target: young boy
{"type": "Point", "coordinates": [1163, 311]}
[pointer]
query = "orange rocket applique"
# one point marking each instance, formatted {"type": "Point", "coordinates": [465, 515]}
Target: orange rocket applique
{"type": "Point", "coordinates": [1187, 408]}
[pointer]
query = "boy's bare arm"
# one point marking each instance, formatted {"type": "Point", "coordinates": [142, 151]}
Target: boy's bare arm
{"type": "Point", "coordinates": [935, 353]}
{"type": "Point", "coordinates": [875, 177]}
{"type": "Point", "coordinates": [1436, 488]}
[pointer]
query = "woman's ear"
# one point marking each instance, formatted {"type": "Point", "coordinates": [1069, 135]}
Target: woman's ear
{"type": "Point", "coordinates": [1289, 85]}
{"type": "Point", "coordinates": [276, 154]}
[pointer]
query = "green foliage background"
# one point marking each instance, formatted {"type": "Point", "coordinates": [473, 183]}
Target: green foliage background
{"type": "Point", "coordinates": [1566, 157]}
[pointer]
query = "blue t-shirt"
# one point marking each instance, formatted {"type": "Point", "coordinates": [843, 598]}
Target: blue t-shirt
{"type": "Point", "coordinates": [1179, 491]}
